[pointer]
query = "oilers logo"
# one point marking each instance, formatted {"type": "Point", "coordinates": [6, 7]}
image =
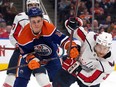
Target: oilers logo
{"type": "Point", "coordinates": [42, 50]}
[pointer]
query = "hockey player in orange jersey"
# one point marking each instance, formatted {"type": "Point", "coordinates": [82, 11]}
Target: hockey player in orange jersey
{"type": "Point", "coordinates": [38, 41]}
{"type": "Point", "coordinates": [20, 20]}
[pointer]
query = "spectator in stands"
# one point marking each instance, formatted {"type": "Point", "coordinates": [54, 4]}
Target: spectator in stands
{"type": "Point", "coordinates": [105, 4]}
{"type": "Point", "coordinates": [85, 15]}
{"type": "Point", "coordinates": [9, 12]}
{"type": "Point", "coordinates": [113, 6]}
{"type": "Point", "coordinates": [2, 29]}
{"type": "Point", "coordinates": [107, 22]}
{"type": "Point", "coordinates": [8, 28]}
{"type": "Point", "coordinates": [113, 32]}
{"type": "Point", "coordinates": [62, 9]}
{"type": "Point", "coordinates": [96, 26]}
{"type": "Point", "coordinates": [2, 23]}
{"type": "Point", "coordinates": [88, 4]}
{"type": "Point", "coordinates": [99, 11]}
{"type": "Point", "coordinates": [81, 7]}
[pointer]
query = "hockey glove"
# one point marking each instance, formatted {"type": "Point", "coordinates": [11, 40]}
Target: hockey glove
{"type": "Point", "coordinates": [74, 53]}
{"type": "Point", "coordinates": [70, 65]}
{"type": "Point", "coordinates": [72, 23]}
{"type": "Point", "coordinates": [33, 62]}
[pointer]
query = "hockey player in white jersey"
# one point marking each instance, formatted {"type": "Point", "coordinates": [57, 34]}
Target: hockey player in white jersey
{"type": "Point", "coordinates": [95, 62]}
{"type": "Point", "coordinates": [20, 21]}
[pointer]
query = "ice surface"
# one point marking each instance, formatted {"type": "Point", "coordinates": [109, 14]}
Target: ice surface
{"type": "Point", "coordinates": [109, 82]}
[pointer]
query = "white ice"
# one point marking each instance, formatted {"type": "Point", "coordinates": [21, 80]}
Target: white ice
{"type": "Point", "coordinates": [109, 82]}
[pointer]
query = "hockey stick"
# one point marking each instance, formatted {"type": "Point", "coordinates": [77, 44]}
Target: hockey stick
{"type": "Point", "coordinates": [7, 48]}
{"type": "Point", "coordinates": [72, 31]}
{"type": "Point", "coordinates": [43, 62]}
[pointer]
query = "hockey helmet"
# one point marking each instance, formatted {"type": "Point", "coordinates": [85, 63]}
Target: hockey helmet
{"type": "Point", "coordinates": [34, 12]}
{"type": "Point", "coordinates": [32, 2]}
{"type": "Point", "coordinates": [104, 39]}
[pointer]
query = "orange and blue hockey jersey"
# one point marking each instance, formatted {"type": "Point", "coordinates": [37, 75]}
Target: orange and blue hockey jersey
{"type": "Point", "coordinates": [45, 43]}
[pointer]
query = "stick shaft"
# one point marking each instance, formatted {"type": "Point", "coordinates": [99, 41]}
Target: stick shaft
{"type": "Point", "coordinates": [7, 48]}
{"type": "Point", "coordinates": [43, 62]}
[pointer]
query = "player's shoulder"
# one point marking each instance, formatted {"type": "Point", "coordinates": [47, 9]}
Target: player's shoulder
{"type": "Point", "coordinates": [48, 29]}
{"type": "Point", "coordinates": [25, 35]}
{"type": "Point", "coordinates": [21, 16]}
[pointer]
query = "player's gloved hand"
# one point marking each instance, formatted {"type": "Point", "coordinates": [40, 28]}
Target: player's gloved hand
{"type": "Point", "coordinates": [34, 64]}
{"type": "Point", "coordinates": [70, 65]}
{"type": "Point", "coordinates": [74, 53]}
{"type": "Point", "coordinates": [72, 23]}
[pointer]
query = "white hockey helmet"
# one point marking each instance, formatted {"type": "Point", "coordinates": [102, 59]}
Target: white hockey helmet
{"type": "Point", "coordinates": [104, 39]}
{"type": "Point", "coordinates": [32, 2]}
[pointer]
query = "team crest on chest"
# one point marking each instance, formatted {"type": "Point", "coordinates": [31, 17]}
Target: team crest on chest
{"type": "Point", "coordinates": [43, 50]}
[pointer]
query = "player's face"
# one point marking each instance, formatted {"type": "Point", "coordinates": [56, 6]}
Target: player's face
{"type": "Point", "coordinates": [101, 50]}
{"type": "Point", "coordinates": [33, 5]}
{"type": "Point", "coordinates": [36, 24]}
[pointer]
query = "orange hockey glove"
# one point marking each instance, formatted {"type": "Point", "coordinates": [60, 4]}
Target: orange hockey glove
{"type": "Point", "coordinates": [74, 53]}
{"type": "Point", "coordinates": [34, 64]}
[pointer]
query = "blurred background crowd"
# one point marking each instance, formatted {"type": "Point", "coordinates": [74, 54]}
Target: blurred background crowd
{"type": "Point", "coordinates": [7, 14]}
{"type": "Point", "coordinates": [104, 14]}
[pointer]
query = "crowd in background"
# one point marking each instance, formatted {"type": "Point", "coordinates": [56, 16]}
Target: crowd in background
{"type": "Point", "coordinates": [7, 14]}
{"type": "Point", "coordinates": [104, 14]}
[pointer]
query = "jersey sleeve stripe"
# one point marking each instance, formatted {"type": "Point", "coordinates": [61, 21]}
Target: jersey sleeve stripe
{"type": "Point", "coordinates": [17, 30]}
{"type": "Point", "coordinates": [91, 78]}
{"type": "Point", "coordinates": [81, 34]}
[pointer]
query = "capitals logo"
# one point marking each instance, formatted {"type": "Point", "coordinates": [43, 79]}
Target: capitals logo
{"type": "Point", "coordinates": [43, 50]}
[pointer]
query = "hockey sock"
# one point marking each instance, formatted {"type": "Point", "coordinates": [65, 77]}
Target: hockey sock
{"type": "Point", "coordinates": [9, 81]}
{"type": "Point", "coordinates": [43, 80]}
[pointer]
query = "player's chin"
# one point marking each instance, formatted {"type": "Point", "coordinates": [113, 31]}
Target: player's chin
{"type": "Point", "coordinates": [100, 55]}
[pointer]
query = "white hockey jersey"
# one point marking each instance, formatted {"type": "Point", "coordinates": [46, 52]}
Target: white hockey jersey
{"type": "Point", "coordinates": [20, 21]}
{"type": "Point", "coordinates": [101, 67]}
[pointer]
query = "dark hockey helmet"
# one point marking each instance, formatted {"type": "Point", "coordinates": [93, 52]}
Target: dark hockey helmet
{"type": "Point", "coordinates": [33, 12]}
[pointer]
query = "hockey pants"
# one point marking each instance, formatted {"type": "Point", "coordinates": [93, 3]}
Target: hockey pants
{"type": "Point", "coordinates": [64, 79]}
